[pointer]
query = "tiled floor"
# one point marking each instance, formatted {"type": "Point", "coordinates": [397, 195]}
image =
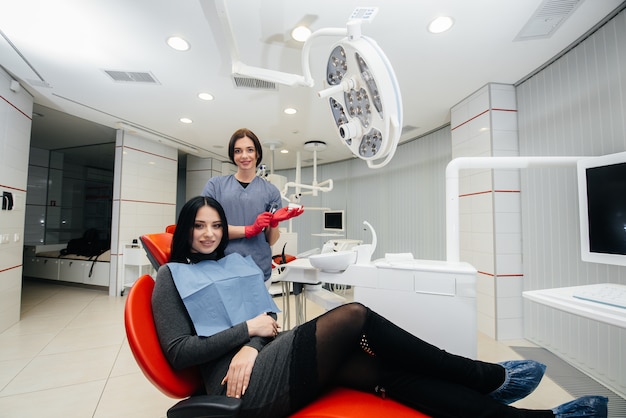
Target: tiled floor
{"type": "Point", "coordinates": [68, 357]}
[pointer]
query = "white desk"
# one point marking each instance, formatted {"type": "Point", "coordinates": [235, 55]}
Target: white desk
{"type": "Point", "coordinates": [434, 300]}
{"type": "Point", "coordinates": [562, 298]}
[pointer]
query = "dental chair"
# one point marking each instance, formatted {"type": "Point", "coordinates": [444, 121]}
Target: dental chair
{"type": "Point", "coordinates": [187, 384]}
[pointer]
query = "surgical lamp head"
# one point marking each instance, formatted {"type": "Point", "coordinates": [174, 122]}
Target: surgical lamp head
{"type": "Point", "coordinates": [364, 97]}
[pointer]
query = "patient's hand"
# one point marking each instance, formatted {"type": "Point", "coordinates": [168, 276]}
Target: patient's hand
{"type": "Point", "coordinates": [262, 326]}
{"type": "Point", "coordinates": [239, 371]}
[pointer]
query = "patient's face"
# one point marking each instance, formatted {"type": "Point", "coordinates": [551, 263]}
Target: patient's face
{"type": "Point", "coordinates": [207, 231]}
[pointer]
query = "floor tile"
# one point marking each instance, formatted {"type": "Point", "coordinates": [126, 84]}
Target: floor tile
{"type": "Point", "coordinates": [76, 339]}
{"type": "Point", "coordinates": [64, 369]}
{"type": "Point", "coordinates": [121, 394]}
{"type": "Point", "coordinates": [61, 402]}
{"type": "Point", "coordinates": [23, 346]}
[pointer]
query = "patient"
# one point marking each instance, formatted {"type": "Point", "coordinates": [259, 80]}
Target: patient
{"type": "Point", "coordinates": [206, 317]}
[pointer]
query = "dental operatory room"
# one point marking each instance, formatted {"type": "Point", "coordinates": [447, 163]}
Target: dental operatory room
{"type": "Point", "coordinates": [453, 170]}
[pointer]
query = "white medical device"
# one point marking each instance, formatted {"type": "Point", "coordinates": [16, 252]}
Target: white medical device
{"type": "Point", "coordinates": [362, 90]}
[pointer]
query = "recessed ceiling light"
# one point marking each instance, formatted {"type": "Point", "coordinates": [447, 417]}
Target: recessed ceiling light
{"type": "Point", "coordinates": [301, 33]}
{"type": "Point", "coordinates": [440, 24]}
{"type": "Point", "coordinates": [186, 120]}
{"type": "Point", "coordinates": [205, 96]}
{"type": "Point", "coordinates": [290, 111]}
{"type": "Point", "coordinates": [178, 43]}
{"type": "Point", "coordinates": [284, 151]}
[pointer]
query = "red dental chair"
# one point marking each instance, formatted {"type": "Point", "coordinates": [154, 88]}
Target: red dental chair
{"type": "Point", "coordinates": [187, 384]}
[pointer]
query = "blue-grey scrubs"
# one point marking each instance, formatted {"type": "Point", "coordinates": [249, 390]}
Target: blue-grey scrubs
{"type": "Point", "coordinates": [242, 206]}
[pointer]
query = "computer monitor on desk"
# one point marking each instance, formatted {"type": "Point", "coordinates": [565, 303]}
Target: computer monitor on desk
{"type": "Point", "coordinates": [334, 221]}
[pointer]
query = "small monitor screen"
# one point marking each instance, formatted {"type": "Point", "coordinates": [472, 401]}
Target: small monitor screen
{"type": "Point", "coordinates": [606, 197]}
{"type": "Point", "coordinates": [602, 195]}
{"type": "Point", "coordinates": [334, 220]}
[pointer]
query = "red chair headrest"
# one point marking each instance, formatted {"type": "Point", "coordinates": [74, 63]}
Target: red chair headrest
{"type": "Point", "coordinates": [158, 248]}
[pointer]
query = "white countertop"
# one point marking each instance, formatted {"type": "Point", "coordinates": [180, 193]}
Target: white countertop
{"type": "Point", "coordinates": [562, 298]}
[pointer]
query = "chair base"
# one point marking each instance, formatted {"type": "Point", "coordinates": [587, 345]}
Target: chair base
{"type": "Point", "coordinates": [343, 403]}
{"type": "Point", "coordinates": [209, 406]}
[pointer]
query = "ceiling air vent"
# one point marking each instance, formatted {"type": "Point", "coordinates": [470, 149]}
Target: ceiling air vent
{"type": "Point", "coordinates": [547, 18]}
{"type": "Point", "coordinates": [253, 83]}
{"type": "Point", "coordinates": [132, 77]}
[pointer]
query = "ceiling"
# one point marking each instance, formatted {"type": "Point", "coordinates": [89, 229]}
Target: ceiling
{"type": "Point", "coordinates": [60, 51]}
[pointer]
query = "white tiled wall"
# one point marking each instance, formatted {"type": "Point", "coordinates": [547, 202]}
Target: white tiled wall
{"type": "Point", "coordinates": [483, 125]}
{"type": "Point", "coordinates": [144, 196]}
{"type": "Point", "coordinates": [199, 170]}
{"type": "Point", "coordinates": [15, 123]}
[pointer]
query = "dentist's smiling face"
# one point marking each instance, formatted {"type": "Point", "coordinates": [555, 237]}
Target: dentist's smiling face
{"type": "Point", "coordinates": [207, 231]}
{"type": "Point", "coordinates": [245, 154]}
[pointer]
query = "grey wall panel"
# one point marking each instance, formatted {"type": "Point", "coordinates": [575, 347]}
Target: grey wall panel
{"type": "Point", "coordinates": [576, 106]}
{"type": "Point", "coordinates": [404, 201]}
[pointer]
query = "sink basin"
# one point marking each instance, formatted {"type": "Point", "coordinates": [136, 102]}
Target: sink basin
{"type": "Point", "coordinates": [333, 262]}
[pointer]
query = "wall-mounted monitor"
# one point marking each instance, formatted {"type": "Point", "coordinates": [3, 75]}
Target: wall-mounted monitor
{"type": "Point", "coordinates": [334, 221]}
{"type": "Point", "coordinates": [602, 208]}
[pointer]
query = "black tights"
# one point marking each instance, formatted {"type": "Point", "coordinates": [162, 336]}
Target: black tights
{"type": "Point", "coordinates": [357, 348]}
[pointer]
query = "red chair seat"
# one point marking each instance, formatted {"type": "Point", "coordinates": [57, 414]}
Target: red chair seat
{"type": "Point", "coordinates": [343, 402]}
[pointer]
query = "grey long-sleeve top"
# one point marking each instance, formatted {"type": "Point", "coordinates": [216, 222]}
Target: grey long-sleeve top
{"type": "Point", "coordinates": [182, 347]}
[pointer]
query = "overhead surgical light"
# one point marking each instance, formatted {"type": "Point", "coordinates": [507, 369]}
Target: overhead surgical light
{"type": "Point", "coordinates": [362, 90]}
{"type": "Point", "coordinates": [364, 98]}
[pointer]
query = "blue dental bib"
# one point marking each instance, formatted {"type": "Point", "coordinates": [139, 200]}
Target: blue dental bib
{"type": "Point", "coordinates": [219, 294]}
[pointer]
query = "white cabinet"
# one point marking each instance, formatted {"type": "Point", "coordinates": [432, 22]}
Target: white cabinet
{"type": "Point", "coordinates": [71, 270]}
{"type": "Point", "coordinates": [51, 267]}
{"type": "Point", "coordinates": [42, 267]}
{"type": "Point", "coordinates": [84, 271]}
{"type": "Point", "coordinates": [96, 274]}
{"type": "Point", "coordinates": [136, 264]}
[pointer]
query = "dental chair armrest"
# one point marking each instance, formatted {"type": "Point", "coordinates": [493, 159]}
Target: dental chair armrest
{"type": "Point", "coordinates": [214, 406]}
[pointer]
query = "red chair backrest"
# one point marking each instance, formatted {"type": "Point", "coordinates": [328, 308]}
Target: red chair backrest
{"type": "Point", "coordinates": [144, 344]}
{"type": "Point", "coordinates": [141, 332]}
{"type": "Point", "coordinates": [158, 248]}
{"type": "Point", "coordinates": [170, 228]}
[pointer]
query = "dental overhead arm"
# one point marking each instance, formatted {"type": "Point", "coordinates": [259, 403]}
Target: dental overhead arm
{"type": "Point", "coordinates": [363, 93]}
{"type": "Point", "coordinates": [324, 186]}
{"type": "Point", "coordinates": [239, 68]}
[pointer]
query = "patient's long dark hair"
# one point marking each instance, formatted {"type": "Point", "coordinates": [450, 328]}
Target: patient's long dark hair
{"type": "Point", "coordinates": [181, 242]}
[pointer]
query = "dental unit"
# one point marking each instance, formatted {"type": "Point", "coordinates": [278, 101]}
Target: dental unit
{"type": "Point", "coordinates": [435, 300]}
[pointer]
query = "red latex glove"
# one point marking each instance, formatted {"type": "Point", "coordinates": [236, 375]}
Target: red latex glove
{"type": "Point", "coordinates": [285, 213]}
{"type": "Point", "coordinates": [262, 221]}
